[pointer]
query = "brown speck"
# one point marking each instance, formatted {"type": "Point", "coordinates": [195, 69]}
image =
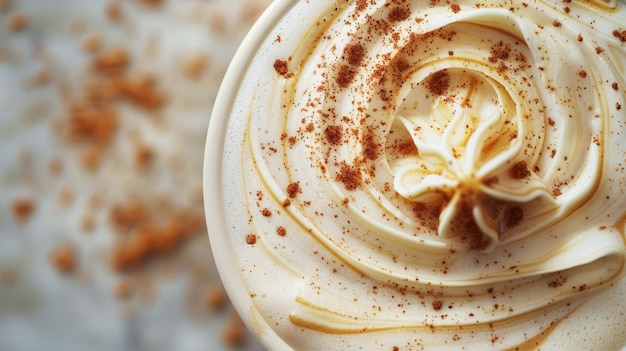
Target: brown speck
{"type": "Point", "coordinates": [122, 289]}
{"type": "Point", "coordinates": [5, 5]}
{"type": "Point", "coordinates": [87, 223]}
{"type": "Point", "coordinates": [65, 196]}
{"type": "Point", "coordinates": [345, 76]}
{"type": "Point", "coordinates": [55, 166]}
{"type": "Point", "coordinates": [63, 258]}
{"type": "Point", "coordinates": [334, 134]}
{"type": "Point", "coordinates": [349, 176]}
{"type": "Point", "coordinates": [500, 51]}
{"type": "Point", "coordinates": [398, 14]}
{"type": "Point", "coordinates": [144, 156]}
{"type": "Point", "coordinates": [111, 61]}
{"type": "Point", "coordinates": [455, 8]}
{"type": "Point", "coordinates": [91, 42]}
{"type": "Point", "coordinates": [234, 331]}
{"type": "Point", "coordinates": [437, 304]}
{"type": "Point", "coordinates": [251, 239]}
{"type": "Point", "coordinates": [151, 3]}
{"type": "Point", "coordinates": [514, 216]}
{"type": "Point", "coordinates": [519, 170]}
{"type": "Point", "coordinates": [620, 34]}
{"type": "Point", "coordinates": [293, 189]}
{"type": "Point", "coordinates": [582, 73]}
{"type": "Point", "coordinates": [580, 37]}
{"type": "Point", "coordinates": [114, 11]}
{"type": "Point", "coordinates": [23, 209]}
{"type": "Point", "coordinates": [439, 82]}
{"type": "Point", "coordinates": [371, 149]}
{"type": "Point", "coordinates": [17, 21]}
{"type": "Point", "coordinates": [91, 158]}
{"type": "Point", "coordinates": [215, 298]}
{"type": "Point", "coordinates": [491, 181]}
{"type": "Point", "coordinates": [8, 275]}
{"type": "Point", "coordinates": [281, 231]}
{"type": "Point", "coordinates": [266, 212]}
{"type": "Point", "coordinates": [615, 86]}
{"type": "Point", "coordinates": [281, 67]}
{"type": "Point", "coordinates": [195, 66]}
{"type": "Point", "coordinates": [355, 53]}
{"type": "Point", "coordinates": [556, 23]}
{"type": "Point", "coordinates": [361, 5]}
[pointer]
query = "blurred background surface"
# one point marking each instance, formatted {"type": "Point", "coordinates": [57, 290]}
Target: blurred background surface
{"type": "Point", "coordinates": [104, 106]}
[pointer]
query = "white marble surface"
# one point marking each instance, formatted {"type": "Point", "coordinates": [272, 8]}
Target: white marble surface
{"type": "Point", "coordinates": [42, 308]}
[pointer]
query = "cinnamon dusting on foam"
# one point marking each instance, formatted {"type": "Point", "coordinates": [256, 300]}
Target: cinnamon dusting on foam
{"type": "Point", "coordinates": [426, 158]}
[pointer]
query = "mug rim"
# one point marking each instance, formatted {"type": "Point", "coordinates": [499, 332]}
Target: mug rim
{"type": "Point", "coordinates": [213, 192]}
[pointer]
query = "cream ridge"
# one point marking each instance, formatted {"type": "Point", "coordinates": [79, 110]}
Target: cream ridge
{"type": "Point", "coordinates": [426, 175]}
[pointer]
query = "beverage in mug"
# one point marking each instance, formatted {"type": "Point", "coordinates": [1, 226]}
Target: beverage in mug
{"type": "Point", "coordinates": [425, 175]}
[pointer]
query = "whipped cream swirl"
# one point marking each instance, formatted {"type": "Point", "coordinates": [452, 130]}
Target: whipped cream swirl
{"type": "Point", "coordinates": [427, 174]}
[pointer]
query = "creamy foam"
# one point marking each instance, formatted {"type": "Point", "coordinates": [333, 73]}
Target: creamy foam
{"type": "Point", "coordinates": [423, 175]}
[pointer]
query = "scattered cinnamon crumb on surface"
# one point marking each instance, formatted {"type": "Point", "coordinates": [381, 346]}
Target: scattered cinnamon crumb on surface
{"type": "Point", "coordinates": [250, 11]}
{"type": "Point", "coordinates": [91, 42]}
{"type": "Point", "coordinates": [147, 239]}
{"type": "Point", "coordinates": [215, 298]}
{"type": "Point", "coordinates": [128, 313]}
{"type": "Point", "coordinates": [5, 5]}
{"type": "Point", "coordinates": [122, 289]}
{"type": "Point", "coordinates": [23, 209]}
{"type": "Point", "coordinates": [93, 124]}
{"type": "Point", "coordinates": [65, 196]}
{"type": "Point", "coordinates": [63, 259]}
{"type": "Point", "coordinates": [114, 11]}
{"type": "Point", "coordinates": [87, 223]}
{"type": "Point", "coordinates": [17, 21]}
{"type": "Point", "coordinates": [111, 61]}
{"type": "Point", "coordinates": [76, 27]}
{"type": "Point", "coordinates": [195, 67]}
{"type": "Point", "coordinates": [152, 3]}
{"type": "Point", "coordinates": [217, 23]}
{"type": "Point", "coordinates": [9, 276]}
{"type": "Point", "coordinates": [144, 156]}
{"type": "Point", "coordinates": [233, 333]}
{"type": "Point", "coordinates": [128, 215]}
{"type": "Point", "coordinates": [91, 158]}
